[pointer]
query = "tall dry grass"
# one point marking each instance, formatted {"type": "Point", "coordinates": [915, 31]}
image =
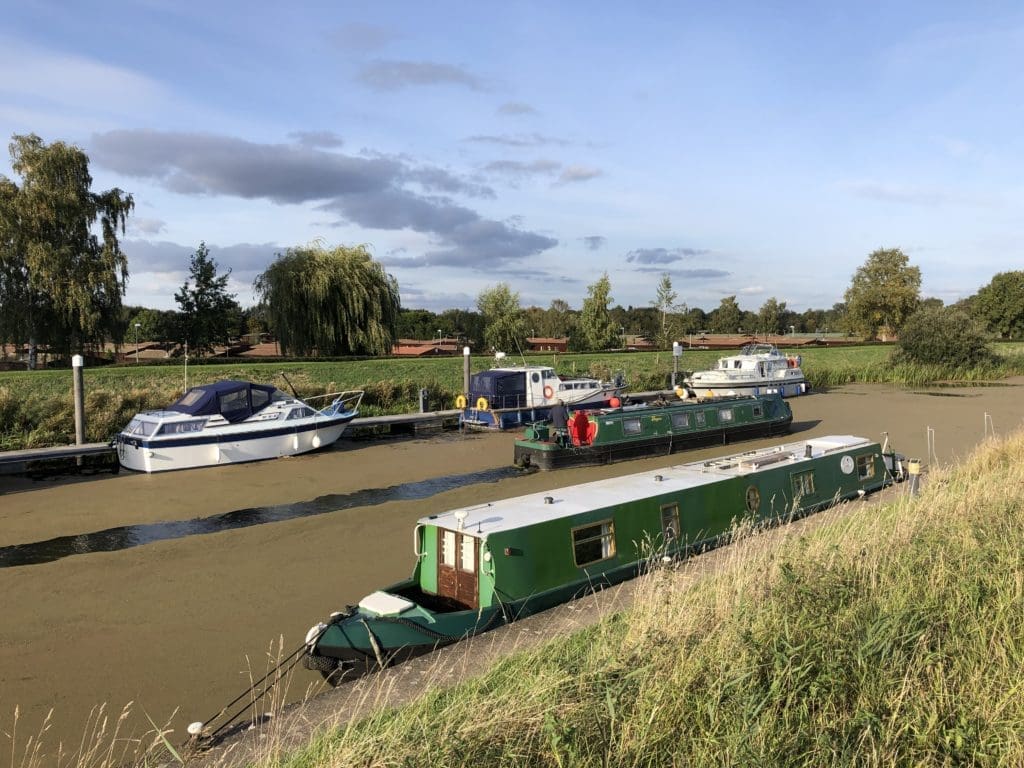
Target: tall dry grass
{"type": "Point", "coordinates": [887, 635]}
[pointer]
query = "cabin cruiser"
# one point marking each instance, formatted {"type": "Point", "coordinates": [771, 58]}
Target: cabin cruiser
{"type": "Point", "coordinates": [501, 398]}
{"type": "Point", "coordinates": [758, 369]}
{"type": "Point", "coordinates": [229, 422]}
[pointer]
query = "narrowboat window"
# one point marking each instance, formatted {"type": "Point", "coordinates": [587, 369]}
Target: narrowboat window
{"type": "Point", "coordinates": [681, 420]}
{"type": "Point", "coordinates": [700, 418]}
{"type": "Point", "coordinates": [448, 548]}
{"type": "Point", "coordinates": [725, 415]}
{"type": "Point", "coordinates": [803, 484]}
{"type": "Point", "coordinates": [757, 411]}
{"type": "Point", "coordinates": [467, 547]}
{"type": "Point", "coordinates": [259, 398]}
{"type": "Point", "coordinates": [592, 543]}
{"type": "Point", "coordinates": [631, 427]}
{"type": "Point", "coordinates": [865, 466]}
{"type": "Point", "coordinates": [670, 522]}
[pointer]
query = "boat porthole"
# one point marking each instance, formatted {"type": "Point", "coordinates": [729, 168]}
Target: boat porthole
{"type": "Point", "coordinates": [753, 498]}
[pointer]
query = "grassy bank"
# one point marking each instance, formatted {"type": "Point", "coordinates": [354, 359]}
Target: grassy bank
{"type": "Point", "coordinates": [891, 635]}
{"type": "Point", "coordinates": [36, 407]}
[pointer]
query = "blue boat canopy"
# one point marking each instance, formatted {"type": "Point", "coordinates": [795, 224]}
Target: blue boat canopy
{"type": "Point", "coordinates": [234, 400]}
{"type": "Point", "coordinates": [498, 384]}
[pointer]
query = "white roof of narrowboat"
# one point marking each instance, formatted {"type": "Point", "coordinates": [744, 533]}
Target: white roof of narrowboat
{"type": "Point", "coordinates": [522, 511]}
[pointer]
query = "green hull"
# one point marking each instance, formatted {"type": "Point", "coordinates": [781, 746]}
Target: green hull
{"type": "Point", "coordinates": [627, 433]}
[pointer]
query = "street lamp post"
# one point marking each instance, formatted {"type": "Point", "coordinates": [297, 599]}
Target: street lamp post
{"type": "Point", "coordinates": [137, 326]}
{"type": "Point", "coordinates": [439, 339]}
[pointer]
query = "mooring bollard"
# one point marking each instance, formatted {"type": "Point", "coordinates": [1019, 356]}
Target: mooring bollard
{"type": "Point", "coordinates": [913, 476]}
{"type": "Point", "coordinates": [78, 390]}
{"type": "Point", "coordinates": [423, 401]}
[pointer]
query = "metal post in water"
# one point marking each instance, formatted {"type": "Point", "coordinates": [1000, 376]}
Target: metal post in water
{"type": "Point", "coordinates": [78, 390]}
{"type": "Point", "coordinates": [423, 400]}
{"type": "Point", "coordinates": [913, 476]}
{"type": "Point", "coordinates": [465, 371]}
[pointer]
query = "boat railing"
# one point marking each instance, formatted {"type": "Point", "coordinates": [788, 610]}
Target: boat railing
{"type": "Point", "coordinates": [349, 400]}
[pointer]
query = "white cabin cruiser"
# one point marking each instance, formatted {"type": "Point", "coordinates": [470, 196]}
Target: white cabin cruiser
{"type": "Point", "coordinates": [229, 422]}
{"type": "Point", "coordinates": [506, 397]}
{"type": "Point", "coordinates": [759, 369]}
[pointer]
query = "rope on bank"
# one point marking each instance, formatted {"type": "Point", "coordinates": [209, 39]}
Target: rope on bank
{"type": "Point", "coordinates": [198, 731]}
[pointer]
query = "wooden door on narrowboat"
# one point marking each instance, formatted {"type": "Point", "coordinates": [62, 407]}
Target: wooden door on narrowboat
{"type": "Point", "coordinates": [456, 567]}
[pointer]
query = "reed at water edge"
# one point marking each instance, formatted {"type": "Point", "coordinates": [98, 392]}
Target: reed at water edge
{"type": "Point", "coordinates": [879, 634]}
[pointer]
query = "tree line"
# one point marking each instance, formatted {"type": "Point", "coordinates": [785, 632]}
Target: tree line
{"type": "Point", "coordinates": [63, 275]}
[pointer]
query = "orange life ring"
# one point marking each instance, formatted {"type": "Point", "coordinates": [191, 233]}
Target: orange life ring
{"type": "Point", "coordinates": [461, 402]}
{"type": "Point", "coordinates": [548, 391]}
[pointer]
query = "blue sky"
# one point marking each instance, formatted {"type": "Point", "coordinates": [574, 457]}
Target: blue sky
{"type": "Point", "coordinates": [756, 149]}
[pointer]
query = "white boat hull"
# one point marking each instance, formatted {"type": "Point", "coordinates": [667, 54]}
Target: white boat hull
{"type": "Point", "coordinates": [718, 389]}
{"type": "Point", "coordinates": [229, 445]}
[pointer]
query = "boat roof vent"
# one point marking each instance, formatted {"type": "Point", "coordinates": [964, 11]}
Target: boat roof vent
{"type": "Point", "coordinates": [549, 499]}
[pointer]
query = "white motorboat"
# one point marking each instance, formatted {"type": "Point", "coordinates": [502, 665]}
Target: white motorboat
{"type": "Point", "coordinates": [759, 369]}
{"type": "Point", "coordinates": [229, 422]}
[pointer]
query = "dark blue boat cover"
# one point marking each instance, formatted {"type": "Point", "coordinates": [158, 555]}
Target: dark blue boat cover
{"type": "Point", "coordinates": [234, 400]}
{"type": "Point", "coordinates": [497, 384]}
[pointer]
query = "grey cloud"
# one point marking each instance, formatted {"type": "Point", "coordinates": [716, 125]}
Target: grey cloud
{"type": "Point", "coordinates": [662, 255]}
{"type": "Point", "coordinates": [322, 139]}
{"type": "Point", "coordinates": [481, 244]}
{"type": "Point", "coordinates": [371, 192]}
{"type": "Point", "coordinates": [519, 169]}
{"type": "Point", "coordinates": [516, 108]}
{"type": "Point", "coordinates": [576, 173]}
{"type": "Point", "coordinates": [694, 274]}
{"type": "Point", "coordinates": [192, 163]}
{"type": "Point", "coordinates": [361, 38]}
{"type": "Point", "coordinates": [396, 75]}
{"type": "Point", "coordinates": [165, 256]}
{"type": "Point", "coordinates": [522, 140]}
{"type": "Point", "coordinates": [594, 242]}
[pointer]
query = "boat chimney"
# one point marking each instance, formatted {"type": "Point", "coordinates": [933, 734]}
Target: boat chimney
{"type": "Point", "coordinates": [807, 451]}
{"type": "Point", "coordinates": [549, 499]}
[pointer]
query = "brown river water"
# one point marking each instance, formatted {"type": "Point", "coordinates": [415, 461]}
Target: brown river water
{"type": "Point", "coordinates": [176, 618]}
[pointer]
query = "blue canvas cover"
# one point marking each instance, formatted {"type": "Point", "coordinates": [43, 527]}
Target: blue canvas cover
{"type": "Point", "coordinates": [498, 384]}
{"type": "Point", "coordinates": [234, 400]}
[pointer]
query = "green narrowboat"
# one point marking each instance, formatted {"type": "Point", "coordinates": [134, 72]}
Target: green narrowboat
{"type": "Point", "coordinates": [607, 435]}
{"type": "Point", "coordinates": [482, 566]}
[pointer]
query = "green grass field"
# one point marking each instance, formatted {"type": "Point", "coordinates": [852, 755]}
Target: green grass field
{"type": "Point", "coordinates": [36, 408]}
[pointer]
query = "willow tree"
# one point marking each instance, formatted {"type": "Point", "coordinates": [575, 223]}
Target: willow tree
{"type": "Point", "coordinates": [504, 319]}
{"type": "Point", "coordinates": [62, 270]}
{"type": "Point", "coordinates": [330, 302]}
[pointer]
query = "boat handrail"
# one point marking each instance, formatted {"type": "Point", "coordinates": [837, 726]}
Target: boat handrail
{"type": "Point", "coordinates": [350, 399]}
